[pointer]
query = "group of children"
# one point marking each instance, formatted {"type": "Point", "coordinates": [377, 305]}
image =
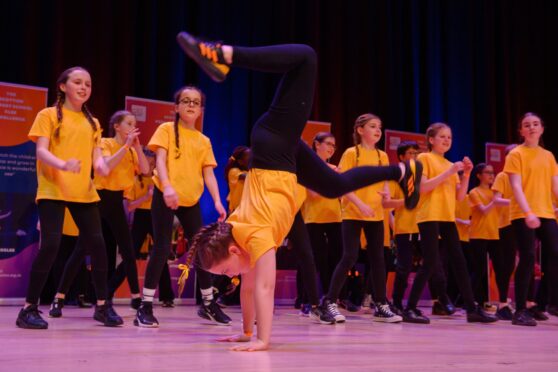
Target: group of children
{"type": "Point", "coordinates": [275, 185]}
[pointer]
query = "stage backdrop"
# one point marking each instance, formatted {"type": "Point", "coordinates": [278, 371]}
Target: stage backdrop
{"type": "Point", "coordinates": [19, 105]}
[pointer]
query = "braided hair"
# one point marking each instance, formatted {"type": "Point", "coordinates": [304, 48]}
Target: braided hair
{"type": "Point", "coordinates": [61, 98]}
{"type": "Point", "coordinates": [177, 116]}
{"type": "Point", "coordinates": [210, 245]}
{"type": "Point", "coordinates": [360, 122]}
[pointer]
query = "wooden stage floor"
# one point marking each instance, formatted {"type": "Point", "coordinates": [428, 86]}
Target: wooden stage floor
{"type": "Point", "coordinates": [185, 343]}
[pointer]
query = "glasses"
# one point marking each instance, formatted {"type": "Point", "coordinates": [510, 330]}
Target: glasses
{"type": "Point", "coordinates": [412, 153]}
{"type": "Point", "coordinates": [190, 102]}
{"type": "Point", "coordinates": [330, 144]}
{"type": "Point", "coordinates": [488, 172]}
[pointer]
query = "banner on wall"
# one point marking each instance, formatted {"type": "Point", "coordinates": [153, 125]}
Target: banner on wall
{"type": "Point", "coordinates": [394, 137]}
{"type": "Point", "coordinates": [19, 104]}
{"type": "Point", "coordinates": [151, 113]}
{"type": "Point", "coordinates": [495, 155]}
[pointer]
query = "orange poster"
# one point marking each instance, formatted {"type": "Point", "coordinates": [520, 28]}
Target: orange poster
{"type": "Point", "coordinates": [312, 128]}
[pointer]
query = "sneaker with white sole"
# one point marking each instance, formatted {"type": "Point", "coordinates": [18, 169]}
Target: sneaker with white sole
{"type": "Point", "coordinates": [329, 307]}
{"type": "Point", "coordinates": [214, 313]}
{"type": "Point", "coordinates": [319, 315]}
{"type": "Point", "coordinates": [384, 314]}
{"type": "Point", "coordinates": [145, 317]}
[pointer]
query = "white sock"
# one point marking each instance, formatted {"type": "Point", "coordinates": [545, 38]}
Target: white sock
{"type": "Point", "coordinates": [148, 294]}
{"type": "Point", "coordinates": [207, 295]}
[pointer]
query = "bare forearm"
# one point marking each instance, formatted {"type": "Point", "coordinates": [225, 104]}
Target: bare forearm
{"type": "Point", "coordinates": [211, 183]}
{"type": "Point", "coordinates": [430, 184]}
{"type": "Point", "coordinates": [112, 161]}
{"type": "Point", "coordinates": [48, 158]}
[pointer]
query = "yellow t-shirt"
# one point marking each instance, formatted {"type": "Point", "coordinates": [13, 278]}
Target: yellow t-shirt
{"type": "Point", "coordinates": [463, 212]}
{"type": "Point", "coordinates": [483, 226]}
{"type": "Point", "coordinates": [185, 173]}
{"type": "Point", "coordinates": [536, 166]}
{"type": "Point", "coordinates": [139, 189]}
{"type": "Point", "coordinates": [121, 177]}
{"type": "Point", "coordinates": [266, 211]}
{"type": "Point", "coordinates": [76, 140]}
{"type": "Point", "coordinates": [301, 195]}
{"type": "Point", "coordinates": [69, 228]}
{"type": "Point", "coordinates": [502, 185]}
{"type": "Point", "coordinates": [405, 221]}
{"type": "Point", "coordinates": [317, 209]}
{"type": "Point", "coordinates": [368, 194]}
{"type": "Point", "coordinates": [236, 186]}
{"type": "Point", "coordinates": [438, 204]}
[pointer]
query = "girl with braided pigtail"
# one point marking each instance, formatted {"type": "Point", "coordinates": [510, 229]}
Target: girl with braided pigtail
{"type": "Point", "coordinates": [246, 243]}
{"type": "Point", "coordinates": [184, 161]}
{"type": "Point", "coordinates": [68, 147]}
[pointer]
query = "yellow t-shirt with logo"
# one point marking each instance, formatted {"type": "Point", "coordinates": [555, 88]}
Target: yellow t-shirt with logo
{"type": "Point", "coordinates": [121, 177]}
{"type": "Point", "coordinates": [76, 140]}
{"type": "Point", "coordinates": [463, 212]}
{"type": "Point", "coordinates": [438, 204]}
{"type": "Point", "coordinates": [69, 228]}
{"type": "Point", "coordinates": [236, 185]}
{"type": "Point", "coordinates": [266, 211]}
{"type": "Point", "coordinates": [139, 189]}
{"type": "Point", "coordinates": [185, 172]}
{"type": "Point", "coordinates": [369, 194]}
{"type": "Point", "coordinates": [483, 226]}
{"type": "Point", "coordinates": [502, 185]}
{"type": "Point", "coordinates": [405, 221]}
{"type": "Point", "coordinates": [536, 166]}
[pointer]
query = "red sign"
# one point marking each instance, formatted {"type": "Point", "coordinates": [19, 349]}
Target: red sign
{"type": "Point", "coordinates": [312, 128]}
{"type": "Point", "coordinates": [151, 113]}
{"type": "Point", "coordinates": [394, 137]}
{"type": "Point", "coordinates": [495, 155]}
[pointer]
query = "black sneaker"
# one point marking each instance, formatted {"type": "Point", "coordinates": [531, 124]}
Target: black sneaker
{"type": "Point", "coordinates": [214, 313]}
{"type": "Point", "coordinates": [349, 306]}
{"type": "Point", "coordinates": [552, 310]}
{"type": "Point", "coordinates": [30, 318]}
{"type": "Point", "coordinates": [410, 183]}
{"type": "Point", "coordinates": [167, 303]}
{"type": "Point", "coordinates": [135, 303]}
{"type": "Point", "coordinates": [504, 313]}
{"type": "Point", "coordinates": [305, 310]}
{"type": "Point", "coordinates": [384, 314]}
{"type": "Point", "coordinates": [56, 308]}
{"type": "Point", "coordinates": [82, 304]}
{"type": "Point", "coordinates": [397, 310]}
{"type": "Point", "coordinates": [319, 315]}
{"type": "Point", "coordinates": [537, 313]}
{"type": "Point", "coordinates": [415, 316]}
{"type": "Point", "coordinates": [145, 317]}
{"type": "Point", "coordinates": [209, 56]}
{"type": "Point", "coordinates": [480, 316]}
{"type": "Point", "coordinates": [439, 308]}
{"type": "Point", "coordinates": [106, 315]}
{"type": "Point", "coordinates": [330, 308]}
{"type": "Point", "coordinates": [523, 318]}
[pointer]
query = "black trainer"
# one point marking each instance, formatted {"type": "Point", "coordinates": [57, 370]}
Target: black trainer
{"type": "Point", "coordinates": [410, 183]}
{"type": "Point", "coordinates": [214, 313]}
{"type": "Point", "coordinates": [415, 316]}
{"type": "Point", "coordinates": [167, 303]}
{"type": "Point", "coordinates": [384, 314]}
{"type": "Point", "coordinates": [145, 317]}
{"type": "Point", "coordinates": [318, 314]}
{"type": "Point", "coordinates": [81, 303]}
{"type": "Point", "coordinates": [329, 307]}
{"type": "Point", "coordinates": [135, 303]}
{"type": "Point", "coordinates": [30, 318]}
{"type": "Point", "coordinates": [523, 318]}
{"type": "Point", "coordinates": [439, 308]}
{"type": "Point", "coordinates": [552, 310]}
{"type": "Point", "coordinates": [106, 315]}
{"type": "Point", "coordinates": [537, 313]}
{"type": "Point", "coordinates": [480, 316]}
{"type": "Point", "coordinates": [56, 308]}
{"type": "Point", "coordinates": [348, 305]}
{"type": "Point", "coordinates": [209, 56]}
{"type": "Point", "coordinates": [504, 313]}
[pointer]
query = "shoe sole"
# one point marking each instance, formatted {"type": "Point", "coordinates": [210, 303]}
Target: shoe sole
{"type": "Point", "coordinates": [387, 320]}
{"type": "Point", "coordinates": [26, 326]}
{"type": "Point", "coordinates": [109, 324]}
{"type": "Point", "coordinates": [137, 323]}
{"type": "Point", "coordinates": [415, 321]}
{"type": "Point", "coordinates": [320, 321]}
{"type": "Point", "coordinates": [188, 44]}
{"type": "Point", "coordinates": [412, 201]}
{"type": "Point", "coordinates": [212, 319]}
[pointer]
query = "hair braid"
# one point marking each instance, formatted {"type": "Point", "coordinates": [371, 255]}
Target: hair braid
{"type": "Point", "coordinates": [60, 98]}
{"type": "Point", "coordinates": [176, 137]}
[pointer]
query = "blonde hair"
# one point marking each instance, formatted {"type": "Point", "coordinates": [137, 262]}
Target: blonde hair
{"type": "Point", "coordinates": [432, 131]}
{"type": "Point", "coordinates": [360, 122]}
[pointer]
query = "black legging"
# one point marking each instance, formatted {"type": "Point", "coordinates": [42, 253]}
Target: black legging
{"type": "Point", "coordinates": [140, 228]}
{"type": "Point", "coordinates": [374, 233]}
{"type": "Point", "coordinates": [430, 245]}
{"type": "Point", "coordinates": [327, 248]}
{"type": "Point", "coordinates": [275, 138]}
{"type": "Point", "coordinates": [548, 235]}
{"type": "Point", "coordinates": [113, 214]}
{"type": "Point", "coordinates": [162, 217]}
{"type": "Point", "coordinates": [88, 221]}
{"type": "Point", "coordinates": [507, 250]}
{"type": "Point", "coordinates": [479, 280]}
{"type": "Point", "coordinates": [303, 249]}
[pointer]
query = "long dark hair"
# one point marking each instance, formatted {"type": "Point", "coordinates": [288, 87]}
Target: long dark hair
{"type": "Point", "coordinates": [233, 161]}
{"type": "Point", "coordinates": [520, 121]}
{"type": "Point", "coordinates": [177, 117]}
{"type": "Point", "coordinates": [61, 98]}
